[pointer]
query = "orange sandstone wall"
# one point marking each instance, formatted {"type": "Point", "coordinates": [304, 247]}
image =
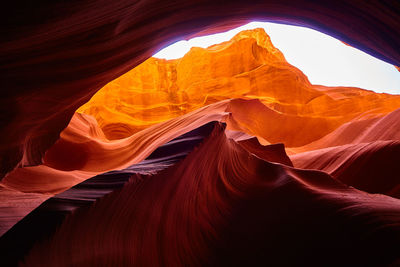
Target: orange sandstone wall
{"type": "Point", "coordinates": [55, 55]}
{"type": "Point", "coordinates": [248, 66]}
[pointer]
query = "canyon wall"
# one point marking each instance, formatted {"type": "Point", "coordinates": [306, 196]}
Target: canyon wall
{"type": "Point", "coordinates": [55, 56]}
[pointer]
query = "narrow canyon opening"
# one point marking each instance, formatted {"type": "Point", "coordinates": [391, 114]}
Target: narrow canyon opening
{"type": "Point", "coordinates": [201, 159]}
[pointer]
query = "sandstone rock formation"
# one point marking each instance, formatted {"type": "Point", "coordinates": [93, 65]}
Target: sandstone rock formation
{"type": "Point", "coordinates": [55, 56]}
{"type": "Point", "coordinates": [293, 173]}
{"type": "Point", "coordinates": [248, 66]}
{"type": "Point", "coordinates": [228, 208]}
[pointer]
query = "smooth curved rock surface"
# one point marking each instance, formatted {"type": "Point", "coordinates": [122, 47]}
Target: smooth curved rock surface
{"type": "Point", "coordinates": [236, 199]}
{"type": "Point", "coordinates": [45, 219]}
{"type": "Point", "coordinates": [83, 151]}
{"type": "Point", "coordinates": [361, 130]}
{"type": "Point", "coordinates": [254, 151]}
{"type": "Point", "coordinates": [55, 55]}
{"type": "Point", "coordinates": [228, 208]}
{"type": "Point", "coordinates": [372, 167]}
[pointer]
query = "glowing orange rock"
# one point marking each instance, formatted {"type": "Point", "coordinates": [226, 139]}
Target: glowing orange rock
{"type": "Point", "coordinates": [245, 82]}
{"type": "Point", "coordinates": [248, 66]}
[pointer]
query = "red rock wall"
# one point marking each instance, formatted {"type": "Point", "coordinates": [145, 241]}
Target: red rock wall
{"type": "Point", "coordinates": [55, 55]}
{"type": "Point", "coordinates": [224, 206]}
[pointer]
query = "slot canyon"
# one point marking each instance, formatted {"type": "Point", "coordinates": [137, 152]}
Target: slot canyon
{"type": "Point", "coordinates": [227, 156]}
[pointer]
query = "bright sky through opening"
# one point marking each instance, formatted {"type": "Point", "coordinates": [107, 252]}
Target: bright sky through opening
{"type": "Point", "coordinates": [324, 59]}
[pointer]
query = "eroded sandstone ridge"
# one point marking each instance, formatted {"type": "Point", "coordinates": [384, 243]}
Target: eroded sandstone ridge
{"type": "Point", "coordinates": [249, 67]}
{"type": "Point", "coordinates": [56, 55]}
{"type": "Point", "coordinates": [227, 156]}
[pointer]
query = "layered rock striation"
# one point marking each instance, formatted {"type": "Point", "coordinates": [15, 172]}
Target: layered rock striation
{"type": "Point", "coordinates": [55, 55]}
{"type": "Point", "coordinates": [227, 156]}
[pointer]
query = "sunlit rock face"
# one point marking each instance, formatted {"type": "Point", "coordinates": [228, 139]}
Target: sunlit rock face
{"type": "Point", "coordinates": [227, 156]}
{"type": "Point", "coordinates": [248, 66]}
{"type": "Point", "coordinates": [56, 55]}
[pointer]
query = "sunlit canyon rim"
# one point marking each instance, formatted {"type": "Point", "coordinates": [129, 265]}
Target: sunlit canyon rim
{"type": "Point", "coordinates": [228, 156]}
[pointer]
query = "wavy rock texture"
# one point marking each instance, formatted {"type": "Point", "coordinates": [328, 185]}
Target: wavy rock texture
{"type": "Point", "coordinates": [361, 153]}
{"type": "Point", "coordinates": [372, 167]}
{"type": "Point", "coordinates": [77, 156]}
{"type": "Point", "coordinates": [359, 131]}
{"type": "Point", "coordinates": [247, 66]}
{"type": "Point", "coordinates": [234, 197]}
{"type": "Point", "coordinates": [83, 151]}
{"type": "Point", "coordinates": [228, 208]}
{"type": "Point", "coordinates": [45, 219]}
{"type": "Point", "coordinates": [55, 55]}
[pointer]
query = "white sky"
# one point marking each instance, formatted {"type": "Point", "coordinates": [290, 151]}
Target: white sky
{"type": "Point", "coordinates": [324, 59]}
